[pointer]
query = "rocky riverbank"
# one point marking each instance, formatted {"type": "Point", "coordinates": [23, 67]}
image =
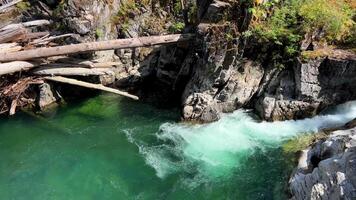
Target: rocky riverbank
{"type": "Point", "coordinates": [225, 68]}
{"type": "Point", "coordinates": [327, 169]}
{"type": "Point", "coordinates": [219, 72]}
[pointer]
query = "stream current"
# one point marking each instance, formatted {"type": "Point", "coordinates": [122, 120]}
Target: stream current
{"type": "Point", "coordinates": [108, 147]}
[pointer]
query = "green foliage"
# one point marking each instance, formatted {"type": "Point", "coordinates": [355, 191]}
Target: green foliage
{"type": "Point", "coordinates": [286, 23]}
{"type": "Point", "coordinates": [61, 6]}
{"type": "Point", "coordinates": [99, 33]}
{"type": "Point", "coordinates": [332, 16]}
{"type": "Point", "coordinates": [281, 27]}
{"type": "Point", "coordinates": [127, 8]}
{"type": "Point", "coordinates": [176, 27]}
{"type": "Point", "coordinates": [192, 13]}
{"type": "Point", "coordinates": [23, 6]}
{"type": "Point", "coordinates": [177, 7]}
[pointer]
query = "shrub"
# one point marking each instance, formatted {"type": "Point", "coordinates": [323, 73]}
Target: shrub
{"type": "Point", "coordinates": [176, 27]}
{"type": "Point", "coordinates": [23, 6]}
{"type": "Point", "coordinates": [123, 15]}
{"type": "Point", "coordinates": [285, 23]}
{"type": "Point", "coordinates": [332, 16]}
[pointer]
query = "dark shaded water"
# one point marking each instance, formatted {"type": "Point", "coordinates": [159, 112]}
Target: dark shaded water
{"type": "Point", "coordinates": [111, 148]}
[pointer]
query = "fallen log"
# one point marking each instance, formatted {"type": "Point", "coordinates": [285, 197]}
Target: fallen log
{"type": "Point", "coordinates": [49, 39]}
{"type": "Point", "coordinates": [16, 66]}
{"type": "Point", "coordinates": [34, 23]}
{"type": "Point", "coordinates": [70, 71]}
{"type": "Point", "coordinates": [11, 35]}
{"type": "Point", "coordinates": [90, 85]}
{"type": "Point", "coordinates": [104, 64]}
{"type": "Point", "coordinates": [10, 47]}
{"type": "Point", "coordinates": [94, 46]}
{"type": "Point", "coordinates": [8, 5]}
{"type": "Point", "coordinates": [65, 61]}
{"type": "Point", "coordinates": [30, 36]}
{"type": "Point", "coordinates": [59, 69]}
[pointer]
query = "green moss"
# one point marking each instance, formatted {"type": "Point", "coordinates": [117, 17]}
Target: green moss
{"type": "Point", "coordinates": [302, 142]}
{"type": "Point", "coordinates": [319, 53]}
{"type": "Point", "coordinates": [292, 148]}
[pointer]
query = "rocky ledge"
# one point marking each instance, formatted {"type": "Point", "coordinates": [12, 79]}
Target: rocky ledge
{"type": "Point", "coordinates": [327, 169]}
{"type": "Point", "coordinates": [228, 73]}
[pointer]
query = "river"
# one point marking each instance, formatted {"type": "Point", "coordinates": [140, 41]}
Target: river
{"type": "Point", "coordinates": [108, 147]}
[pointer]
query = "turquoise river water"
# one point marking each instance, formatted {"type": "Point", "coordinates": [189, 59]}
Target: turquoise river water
{"type": "Point", "coordinates": [112, 148]}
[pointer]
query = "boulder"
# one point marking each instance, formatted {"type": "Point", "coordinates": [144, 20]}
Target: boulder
{"type": "Point", "coordinates": [47, 96]}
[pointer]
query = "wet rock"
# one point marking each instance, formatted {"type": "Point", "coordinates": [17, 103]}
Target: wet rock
{"type": "Point", "coordinates": [327, 170]}
{"type": "Point", "coordinates": [47, 96]}
{"type": "Point", "coordinates": [273, 109]}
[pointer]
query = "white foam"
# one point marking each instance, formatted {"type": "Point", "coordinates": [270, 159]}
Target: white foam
{"type": "Point", "coordinates": [213, 150]}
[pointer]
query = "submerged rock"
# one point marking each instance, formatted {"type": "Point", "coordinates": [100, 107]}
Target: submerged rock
{"type": "Point", "coordinates": [327, 170]}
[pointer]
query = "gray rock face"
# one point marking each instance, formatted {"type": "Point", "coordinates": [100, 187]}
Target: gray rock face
{"type": "Point", "coordinates": [307, 88]}
{"type": "Point", "coordinates": [327, 171]}
{"type": "Point", "coordinates": [211, 76]}
{"type": "Point", "coordinates": [220, 82]}
{"type": "Point", "coordinates": [87, 16]}
{"type": "Point", "coordinates": [92, 20]}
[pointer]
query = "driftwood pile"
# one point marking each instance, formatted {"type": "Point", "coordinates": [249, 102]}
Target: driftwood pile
{"type": "Point", "coordinates": [25, 50]}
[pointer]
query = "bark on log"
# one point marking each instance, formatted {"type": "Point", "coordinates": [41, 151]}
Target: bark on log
{"type": "Point", "coordinates": [94, 46]}
{"type": "Point", "coordinates": [16, 66]}
{"type": "Point", "coordinates": [30, 36]}
{"type": "Point", "coordinates": [26, 24]}
{"type": "Point", "coordinates": [104, 64]}
{"type": "Point", "coordinates": [12, 35]}
{"type": "Point", "coordinates": [49, 39]}
{"type": "Point", "coordinates": [10, 47]}
{"type": "Point", "coordinates": [90, 85]}
{"type": "Point", "coordinates": [72, 71]}
{"type": "Point", "coordinates": [8, 5]}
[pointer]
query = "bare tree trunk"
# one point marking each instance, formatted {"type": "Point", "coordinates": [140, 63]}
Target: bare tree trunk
{"type": "Point", "coordinates": [90, 85]}
{"type": "Point", "coordinates": [4, 7]}
{"type": "Point", "coordinates": [11, 35]}
{"type": "Point", "coordinates": [26, 24]}
{"type": "Point", "coordinates": [16, 66]}
{"type": "Point", "coordinates": [70, 71]}
{"type": "Point", "coordinates": [10, 47]}
{"type": "Point", "coordinates": [94, 46]}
